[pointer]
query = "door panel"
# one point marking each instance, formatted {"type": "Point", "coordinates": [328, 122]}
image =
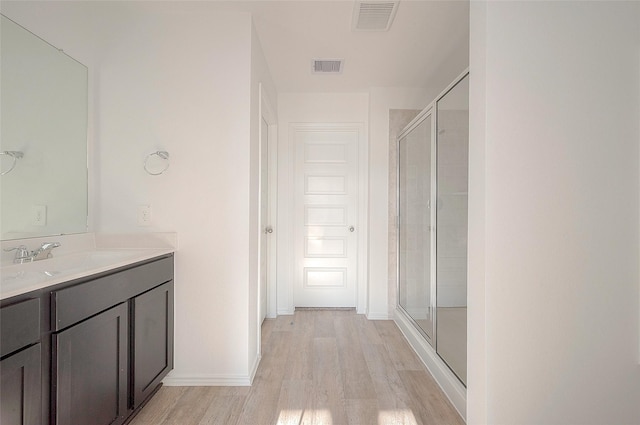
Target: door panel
{"type": "Point", "coordinates": [326, 204]}
{"type": "Point", "coordinates": [90, 370]}
{"type": "Point", "coordinates": [325, 247]}
{"type": "Point", "coordinates": [152, 340]}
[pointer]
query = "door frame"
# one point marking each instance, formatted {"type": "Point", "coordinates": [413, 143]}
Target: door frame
{"type": "Point", "coordinates": [267, 113]}
{"type": "Point", "coordinates": [285, 289]}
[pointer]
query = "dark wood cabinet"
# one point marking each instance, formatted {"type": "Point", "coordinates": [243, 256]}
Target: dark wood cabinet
{"type": "Point", "coordinates": [20, 367]}
{"type": "Point", "coordinates": [19, 325]}
{"type": "Point", "coordinates": [152, 340]}
{"type": "Point", "coordinates": [90, 351]}
{"type": "Point", "coordinates": [90, 370]}
{"type": "Point", "coordinates": [20, 388]}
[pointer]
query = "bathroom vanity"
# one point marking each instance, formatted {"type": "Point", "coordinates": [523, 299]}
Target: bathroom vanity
{"type": "Point", "coordinates": [91, 343]}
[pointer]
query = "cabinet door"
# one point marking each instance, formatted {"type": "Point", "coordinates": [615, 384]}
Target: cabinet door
{"type": "Point", "coordinates": [21, 388]}
{"type": "Point", "coordinates": [90, 370]}
{"type": "Point", "coordinates": [152, 340]}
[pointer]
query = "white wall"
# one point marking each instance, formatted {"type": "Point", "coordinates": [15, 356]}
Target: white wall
{"type": "Point", "coordinates": [477, 380]}
{"type": "Point", "coordinates": [181, 82]}
{"type": "Point", "coordinates": [553, 282]}
{"type": "Point", "coordinates": [304, 108]}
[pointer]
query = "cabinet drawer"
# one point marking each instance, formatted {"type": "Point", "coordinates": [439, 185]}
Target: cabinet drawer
{"type": "Point", "coordinates": [19, 325]}
{"type": "Point", "coordinates": [76, 303]}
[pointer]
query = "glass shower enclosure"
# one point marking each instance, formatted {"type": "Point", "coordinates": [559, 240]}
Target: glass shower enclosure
{"type": "Point", "coordinates": [433, 157]}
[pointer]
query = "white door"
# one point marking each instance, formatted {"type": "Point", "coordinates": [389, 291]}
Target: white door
{"type": "Point", "coordinates": [325, 216]}
{"type": "Point", "coordinates": [265, 223]}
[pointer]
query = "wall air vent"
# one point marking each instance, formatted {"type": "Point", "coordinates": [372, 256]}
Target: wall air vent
{"type": "Point", "coordinates": [374, 15]}
{"type": "Point", "coordinates": [326, 66]}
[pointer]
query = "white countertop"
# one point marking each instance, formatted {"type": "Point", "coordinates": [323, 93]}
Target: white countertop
{"type": "Point", "coordinates": [17, 279]}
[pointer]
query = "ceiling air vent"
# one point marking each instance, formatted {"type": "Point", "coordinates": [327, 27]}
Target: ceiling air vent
{"type": "Point", "coordinates": [326, 66]}
{"type": "Point", "coordinates": [374, 15]}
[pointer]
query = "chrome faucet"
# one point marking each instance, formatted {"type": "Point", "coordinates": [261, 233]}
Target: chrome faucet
{"type": "Point", "coordinates": [44, 251]}
{"type": "Point", "coordinates": [23, 255]}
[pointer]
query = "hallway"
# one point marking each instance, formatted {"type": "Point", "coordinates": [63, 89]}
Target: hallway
{"type": "Point", "coordinates": [329, 367]}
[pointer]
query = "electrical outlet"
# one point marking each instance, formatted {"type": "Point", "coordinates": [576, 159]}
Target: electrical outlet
{"type": "Point", "coordinates": [39, 215]}
{"type": "Point", "coordinates": [144, 215]}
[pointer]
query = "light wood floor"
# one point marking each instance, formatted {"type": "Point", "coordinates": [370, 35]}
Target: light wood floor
{"type": "Point", "coordinates": [329, 367]}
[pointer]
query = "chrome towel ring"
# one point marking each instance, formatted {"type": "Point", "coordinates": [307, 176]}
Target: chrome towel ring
{"type": "Point", "coordinates": [13, 154]}
{"type": "Point", "coordinates": [163, 156]}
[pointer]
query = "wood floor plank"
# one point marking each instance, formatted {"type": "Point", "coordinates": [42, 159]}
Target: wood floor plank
{"type": "Point", "coordinates": [295, 397]}
{"type": "Point", "coordinates": [262, 402]}
{"type": "Point", "coordinates": [274, 356]}
{"type": "Point", "coordinates": [283, 323]}
{"type": "Point", "coordinates": [362, 411]}
{"type": "Point", "coordinates": [223, 410]}
{"type": "Point", "coordinates": [367, 330]}
{"type": "Point", "coordinates": [267, 327]}
{"type": "Point", "coordinates": [400, 352]}
{"type": "Point", "coordinates": [159, 406]}
{"type": "Point", "coordinates": [328, 401]}
{"type": "Point", "coordinates": [303, 321]}
{"type": "Point", "coordinates": [428, 404]}
{"type": "Point", "coordinates": [398, 417]}
{"type": "Point", "coordinates": [300, 361]}
{"type": "Point", "coordinates": [357, 379]}
{"type": "Point", "coordinates": [191, 406]}
{"type": "Point", "coordinates": [318, 367]}
{"type": "Point", "coordinates": [323, 324]}
{"type": "Point", "coordinates": [390, 390]}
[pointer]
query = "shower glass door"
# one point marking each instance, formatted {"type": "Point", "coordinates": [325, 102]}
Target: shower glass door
{"type": "Point", "coordinates": [452, 112]}
{"type": "Point", "coordinates": [415, 275]}
{"type": "Point", "coordinates": [433, 162]}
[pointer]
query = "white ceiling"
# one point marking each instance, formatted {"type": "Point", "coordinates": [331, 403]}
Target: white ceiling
{"type": "Point", "coordinates": [427, 39]}
{"type": "Point", "coordinates": [426, 47]}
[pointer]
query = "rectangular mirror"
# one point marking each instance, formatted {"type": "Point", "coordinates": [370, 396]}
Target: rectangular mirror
{"type": "Point", "coordinates": [43, 144]}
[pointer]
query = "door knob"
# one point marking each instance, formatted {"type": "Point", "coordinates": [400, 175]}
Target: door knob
{"type": "Point", "coordinates": [352, 229]}
{"type": "Point", "coordinates": [268, 229]}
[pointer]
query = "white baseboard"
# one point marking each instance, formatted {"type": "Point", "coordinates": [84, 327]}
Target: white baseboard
{"type": "Point", "coordinates": [452, 387]}
{"type": "Point", "coordinates": [378, 316]}
{"type": "Point", "coordinates": [175, 380]}
{"type": "Point", "coordinates": [254, 369]}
